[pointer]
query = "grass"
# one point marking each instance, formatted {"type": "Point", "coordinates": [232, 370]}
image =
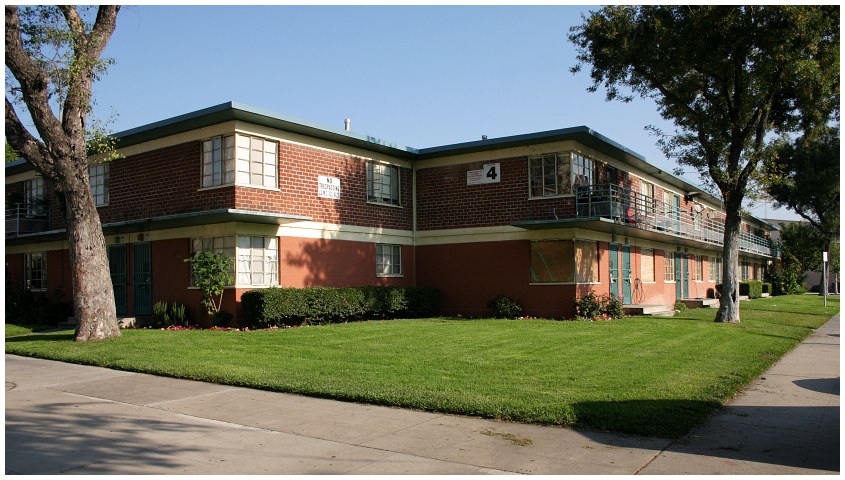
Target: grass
{"type": "Point", "coordinates": [640, 375]}
{"type": "Point", "coordinates": [15, 330]}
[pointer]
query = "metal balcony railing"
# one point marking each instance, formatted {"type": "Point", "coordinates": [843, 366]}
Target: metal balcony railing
{"type": "Point", "coordinates": [630, 207]}
{"type": "Point", "coordinates": [25, 218]}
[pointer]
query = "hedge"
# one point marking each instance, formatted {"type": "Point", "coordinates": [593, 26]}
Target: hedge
{"type": "Point", "coordinates": [752, 288]}
{"type": "Point", "coordinates": [321, 305]}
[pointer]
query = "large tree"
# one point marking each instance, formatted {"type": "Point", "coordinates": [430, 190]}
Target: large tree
{"type": "Point", "coordinates": [803, 175]}
{"type": "Point", "coordinates": [53, 53]}
{"type": "Point", "coordinates": [728, 77]}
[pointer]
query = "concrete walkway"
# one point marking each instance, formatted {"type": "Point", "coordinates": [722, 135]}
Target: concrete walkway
{"type": "Point", "coordinates": [73, 419]}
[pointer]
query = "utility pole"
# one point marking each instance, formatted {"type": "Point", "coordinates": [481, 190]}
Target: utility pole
{"type": "Point", "coordinates": [824, 277]}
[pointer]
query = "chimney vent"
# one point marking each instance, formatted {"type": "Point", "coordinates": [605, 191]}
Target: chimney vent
{"type": "Point", "coordinates": [346, 124]}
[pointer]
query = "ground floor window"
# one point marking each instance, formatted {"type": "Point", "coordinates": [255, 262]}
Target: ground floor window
{"type": "Point", "coordinates": [36, 271]}
{"type": "Point", "coordinates": [258, 260]}
{"type": "Point", "coordinates": [256, 257]}
{"type": "Point", "coordinates": [668, 267]}
{"type": "Point", "coordinates": [647, 265]}
{"type": "Point", "coordinates": [714, 267]}
{"type": "Point", "coordinates": [699, 268]}
{"type": "Point", "coordinates": [388, 260]}
{"type": "Point", "coordinates": [744, 271]}
{"type": "Point", "coordinates": [564, 261]}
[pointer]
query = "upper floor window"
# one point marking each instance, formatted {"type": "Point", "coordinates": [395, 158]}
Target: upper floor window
{"type": "Point", "coordinates": [240, 159]}
{"type": "Point", "coordinates": [35, 275]}
{"type": "Point", "coordinates": [382, 183]}
{"type": "Point", "coordinates": [33, 196]}
{"type": "Point", "coordinates": [98, 177]}
{"type": "Point", "coordinates": [647, 191]}
{"type": "Point", "coordinates": [559, 173]}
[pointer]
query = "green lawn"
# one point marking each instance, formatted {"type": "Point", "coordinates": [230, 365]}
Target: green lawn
{"type": "Point", "coordinates": [649, 376]}
{"type": "Point", "coordinates": [15, 330]}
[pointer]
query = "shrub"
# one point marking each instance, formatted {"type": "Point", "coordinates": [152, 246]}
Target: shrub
{"type": "Point", "coordinates": [680, 306]}
{"type": "Point", "coordinates": [36, 308]}
{"type": "Point", "coordinates": [786, 277]}
{"type": "Point", "coordinates": [767, 287]}
{"type": "Point", "coordinates": [161, 316]}
{"type": "Point", "coordinates": [505, 307]}
{"type": "Point", "coordinates": [604, 306]}
{"type": "Point", "coordinates": [168, 315]}
{"type": "Point", "coordinates": [321, 305]}
{"type": "Point", "coordinates": [210, 273]}
{"type": "Point", "coordinates": [752, 288]}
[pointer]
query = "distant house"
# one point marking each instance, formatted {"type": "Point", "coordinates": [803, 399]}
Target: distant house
{"type": "Point", "coordinates": [543, 217]}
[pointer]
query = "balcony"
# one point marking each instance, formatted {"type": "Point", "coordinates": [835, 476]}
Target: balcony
{"type": "Point", "coordinates": [23, 219]}
{"type": "Point", "coordinates": [631, 208]}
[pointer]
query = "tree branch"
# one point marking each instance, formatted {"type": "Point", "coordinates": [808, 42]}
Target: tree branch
{"type": "Point", "coordinates": [34, 83]}
{"type": "Point", "coordinates": [28, 146]}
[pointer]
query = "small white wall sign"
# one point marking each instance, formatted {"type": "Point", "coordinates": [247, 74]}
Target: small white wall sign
{"type": "Point", "coordinates": [328, 187]}
{"type": "Point", "coordinates": [489, 173]}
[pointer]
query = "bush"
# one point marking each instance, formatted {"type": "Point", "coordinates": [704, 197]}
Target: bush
{"type": "Point", "coordinates": [505, 307]}
{"type": "Point", "coordinates": [168, 315]}
{"type": "Point", "coordinates": [680, 306]}
{"type": "Point", "coordinates": [595, 307]}
{"type": "Point", "coordinates": [786, 277]}
{"type": "Point", "coordinates": [36, 308]}
{"type": "Point", "coordinates": [752, 288]}
{"type": "Point", "coordinates": [767, 287]}
{"type": "Point", "coordinates": [322, 305]}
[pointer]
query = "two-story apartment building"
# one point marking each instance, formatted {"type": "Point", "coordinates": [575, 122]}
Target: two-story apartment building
{"type": "Point", "coordinates": [543, 217]}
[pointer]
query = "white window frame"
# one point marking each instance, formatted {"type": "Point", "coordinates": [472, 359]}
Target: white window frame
{"type": "Point", "coordinates": [241, 160]}
{"type": "Point", "coordinates": [254, 253]}
{"type": "Point", "coordinates": [35, 263]}
{"type": "Point", "coordinates": [669, 267]}
{"type": "Point", "coordinates": [388, 260]}
{"type": "Point", "coordinates": [560, 174]}
{"type": "Point", "coordinates": [98, 177]}
{"type": "Point", "coordinates": [383, 183]}
{"type": "Point", "coordinates": [224, 245]}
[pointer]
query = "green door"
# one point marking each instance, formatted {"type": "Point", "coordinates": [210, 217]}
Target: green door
{"type": "Point", "coordinates": [117, 267]}
{"type": "Point", "coordinates": [678, 273]}
{"type": "Point", "coordinates": [142, 277]}
{"type": "Point", "coordinates": [626, 274]}
{"type": "Point", "coordinates": [613, 257]}
{"type": "Point", "coordinates": [687, 263]}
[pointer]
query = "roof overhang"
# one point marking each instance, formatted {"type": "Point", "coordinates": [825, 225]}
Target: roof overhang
{"type": "Point", "coordinates": [237, 111]}
{"type": "Point", "coordinates": [170, 221]}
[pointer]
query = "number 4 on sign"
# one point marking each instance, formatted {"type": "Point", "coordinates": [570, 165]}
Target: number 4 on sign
{"type": "Point", "coordinates": [491, 173]}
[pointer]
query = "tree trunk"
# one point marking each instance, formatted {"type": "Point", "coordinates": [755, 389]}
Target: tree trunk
{"type": "Point", "coordinates": [93, 294]}
{"type": "Point", "coordinates": [729, 300]}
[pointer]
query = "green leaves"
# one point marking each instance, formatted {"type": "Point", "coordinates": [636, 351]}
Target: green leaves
{"type": "Point", "coordinates": [210, 273]}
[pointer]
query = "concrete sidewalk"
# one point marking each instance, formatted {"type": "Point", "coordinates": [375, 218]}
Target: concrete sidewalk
{"type": "Point", "coordinates": [73, 419]}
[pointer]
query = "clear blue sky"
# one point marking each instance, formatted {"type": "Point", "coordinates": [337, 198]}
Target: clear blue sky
{"type": "Point", "coordinates": [418, 76]}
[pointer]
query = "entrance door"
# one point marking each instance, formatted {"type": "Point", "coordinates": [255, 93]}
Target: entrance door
{"type": "Point", "coordinates": [626, 274]}
{"type": "Point", "coordinates": [687, 264]}
{"type": "Point", "coordinates": [678, 272]}
{"type": "Point", "coordinates": [142, 278]}
{"type": "Point", "coordinates": [117, 267]}
{"type": "Point", "coordinates": [613, 256]}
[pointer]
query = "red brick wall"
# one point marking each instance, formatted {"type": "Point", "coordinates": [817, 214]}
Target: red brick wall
{"type": "Point", "coordinates": [469, 275]}
{"type": "Point", "coordinates": [299, 167]}
{"type": "Point", "coordinates": [444, 200]}
{"type": "Point", "coordinates": [337, 263]}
